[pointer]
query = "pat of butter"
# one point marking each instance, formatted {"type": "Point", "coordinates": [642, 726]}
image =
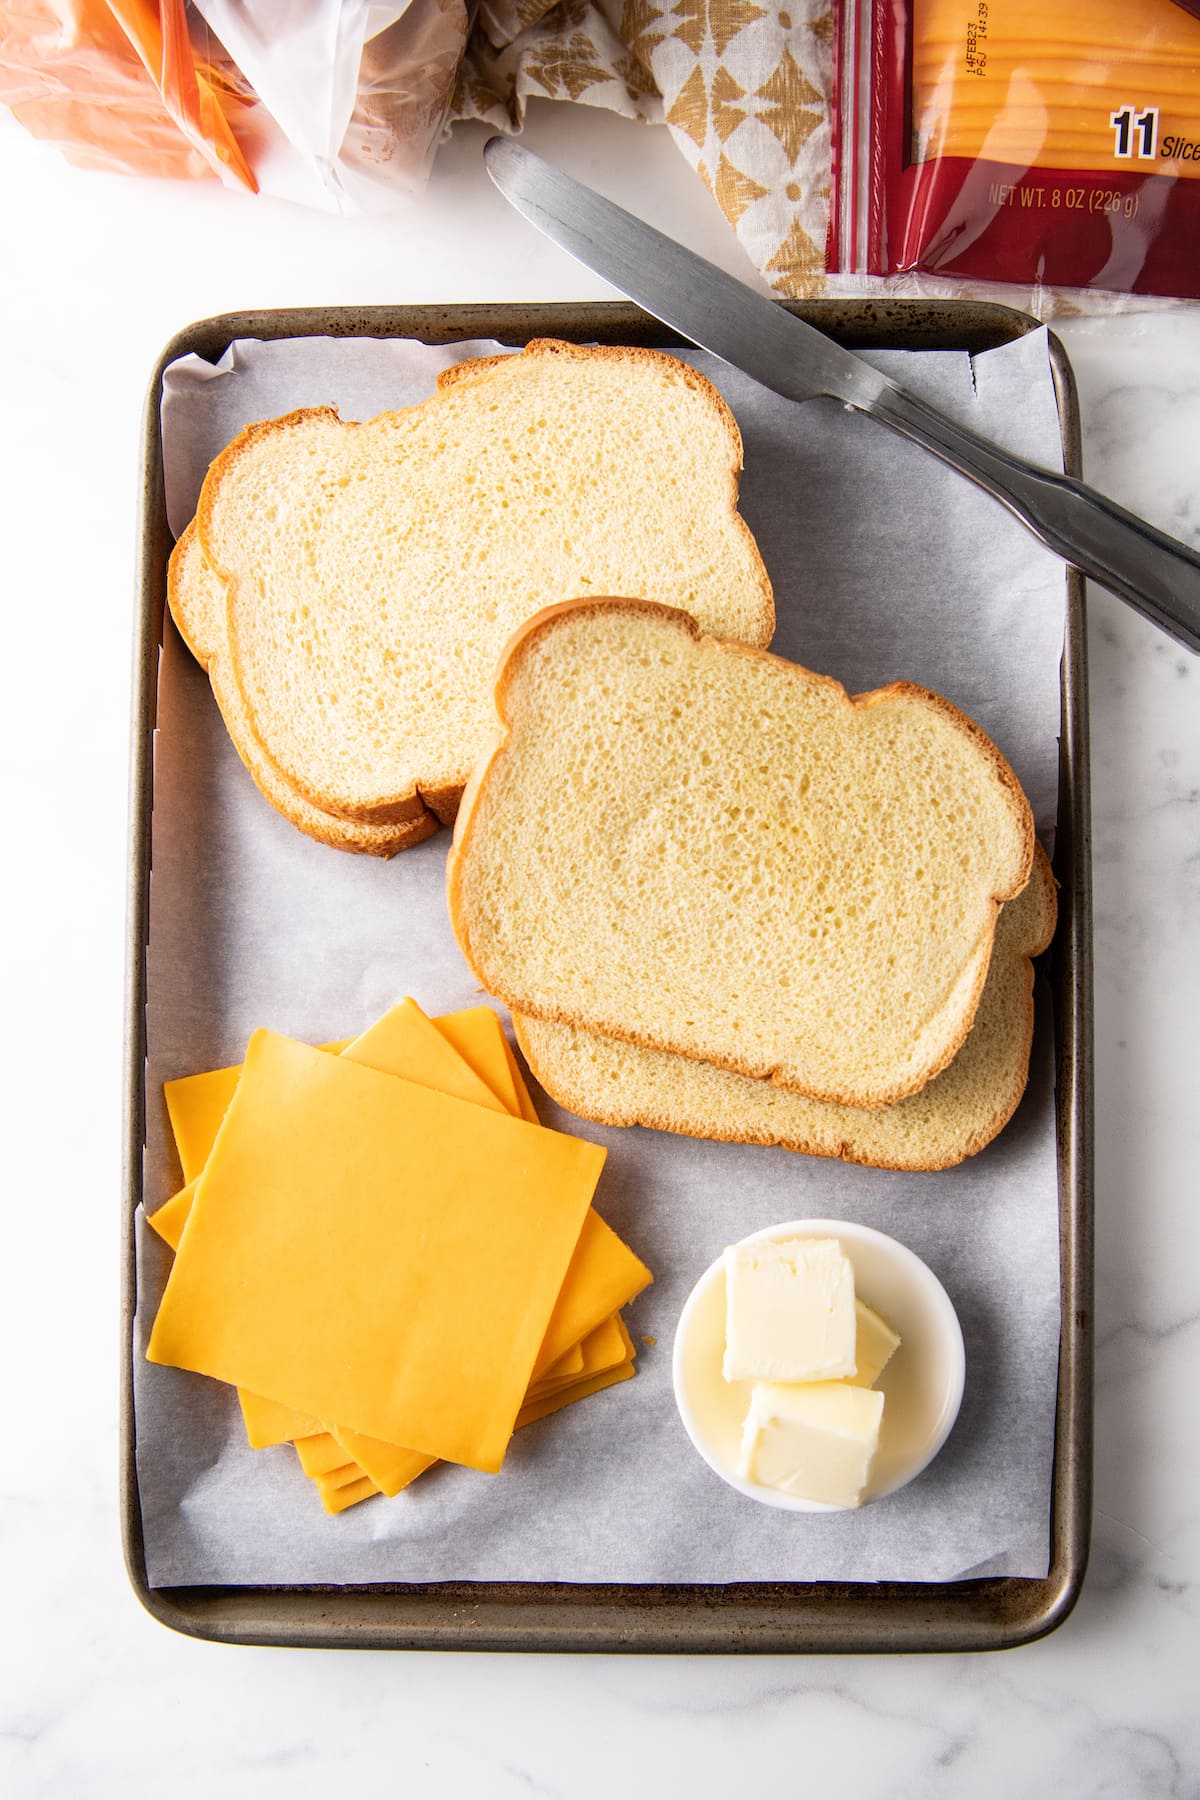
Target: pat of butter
{"type": "Point", "coordinates": [789, 1311]}
{"type": "Point", "coordinates": [816, 1442]}
{"type": "Point", "coordinates": [874, 1346]}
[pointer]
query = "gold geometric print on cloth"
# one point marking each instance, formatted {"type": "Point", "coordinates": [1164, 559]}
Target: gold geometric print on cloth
{"type": "Point", "coordinates": [721, 21]}
{"type": "Point", "coordinates": [744, 88]}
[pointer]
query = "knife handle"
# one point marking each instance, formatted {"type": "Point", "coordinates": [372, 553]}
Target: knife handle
{"type": "Point", "coordinates": [1152, 572]}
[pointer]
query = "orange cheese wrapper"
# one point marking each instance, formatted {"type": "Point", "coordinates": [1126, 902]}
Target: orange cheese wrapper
{"type": "Point", "coordinates": [1052, 143]}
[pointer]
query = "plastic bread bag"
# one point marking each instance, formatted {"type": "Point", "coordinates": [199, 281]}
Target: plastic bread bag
{"type": "Point", "coordinates": [118, 85]}
{"type": "Point", "coordinates": [1052, 144]}
{"type": "Point", "coordinates": [337, 104]}
{"type": "Point", "coordinates": [352, 96]}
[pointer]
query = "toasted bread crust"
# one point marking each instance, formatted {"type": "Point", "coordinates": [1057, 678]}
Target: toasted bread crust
{"type": "Point", "coordinates": [181, 596]}
{"type": "Point", "coordinates": [975, 968]}
{"type": "Point", "coordinates": [218, 659]}
{"type": "Point", "coordinates": [192, 601]}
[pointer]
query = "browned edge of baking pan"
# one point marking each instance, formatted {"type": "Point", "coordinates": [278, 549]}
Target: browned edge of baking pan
{"type": "Point", "coordinates": [822, 1617]}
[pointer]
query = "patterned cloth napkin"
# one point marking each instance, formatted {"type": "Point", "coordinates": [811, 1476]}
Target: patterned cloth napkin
{"type": "Point", "coordinates": [744, 89]}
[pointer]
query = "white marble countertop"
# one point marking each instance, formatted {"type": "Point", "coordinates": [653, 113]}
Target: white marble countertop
{"type": "Point", "coordinates": [97, 1700]}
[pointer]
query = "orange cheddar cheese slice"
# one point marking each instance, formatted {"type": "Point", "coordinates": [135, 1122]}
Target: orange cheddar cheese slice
{"type": "Point", "coordinates": [602, 1373]}
{"type": "Point", "coordinates": [170, 1218]}
{"type": "Point", "coordinates": [552, 1403]}
{"type": "Point", "coordinates": [320, 1453]}
{"type": "Point", "coordinates": [196, 1104]}
{"type": "Point", "coordinates": [376, 1253]}
{"type": "Point", "coordinates": [481, 1040]}
{"type": "Point", "coordinates": [346, 1476]}
{"type": "Point", "coordinates": [406, 1042]}
{"type": "Point", "coordinates": [268, 1424]}
{"type": "Point", "coordinates": [568, 1367]}
{"type": "Point", "coordinates": [607, 1349]}
{"type": "Point", "coordinates": [333, 1487]}
{"type": "Point", "coordinates": [403, 1042]}
{"type": "Point", "coordinates": [524, 1103]}
{"type": "Point", "coordinates": [477, 1036]}
{"type": "Point", "coordinates": [604, 1276]}
{"type": "Point", "coordinates": [390, 1466]}
{"type": "Point", "coordinates": [339, 1500]}
{"type": "Point", "coordinates": [600, 1350]}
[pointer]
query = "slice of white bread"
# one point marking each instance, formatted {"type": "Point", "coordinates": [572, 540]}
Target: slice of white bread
{"type": "Point", "coordinates": [687, 844]}
{"type": "Point", "coordinates": [952, 1117]}
{"type": "Point", "coordinates": [373, 572]}
{"type": "Point", "coordinates": [197, 600]}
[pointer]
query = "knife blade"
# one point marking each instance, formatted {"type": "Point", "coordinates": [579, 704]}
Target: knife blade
{"type": "Point", "coordinates": [1150, 571]}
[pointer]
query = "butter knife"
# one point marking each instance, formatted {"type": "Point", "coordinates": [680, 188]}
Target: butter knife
{"type": "Point", "coordinates": [1152, 572]}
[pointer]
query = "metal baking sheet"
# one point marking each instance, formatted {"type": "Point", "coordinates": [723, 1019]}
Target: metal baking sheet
{"type": "Point", "coordinates": [764, 1617]}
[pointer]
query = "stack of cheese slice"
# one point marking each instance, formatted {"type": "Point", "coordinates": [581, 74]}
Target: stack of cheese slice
{"type": "Point", "coordinates": [385, 1253]}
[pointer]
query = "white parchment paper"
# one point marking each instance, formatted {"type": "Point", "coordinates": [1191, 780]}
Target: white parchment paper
{"type": "Point", "coordinates": [885, 566]}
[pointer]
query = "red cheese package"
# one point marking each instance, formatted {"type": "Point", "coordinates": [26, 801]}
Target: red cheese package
{"type": "Point", "coordinates": [1050, 143]}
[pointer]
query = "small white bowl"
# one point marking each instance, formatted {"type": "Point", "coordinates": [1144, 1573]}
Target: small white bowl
{"type": "Point", "coordinates": [922, 1385]}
